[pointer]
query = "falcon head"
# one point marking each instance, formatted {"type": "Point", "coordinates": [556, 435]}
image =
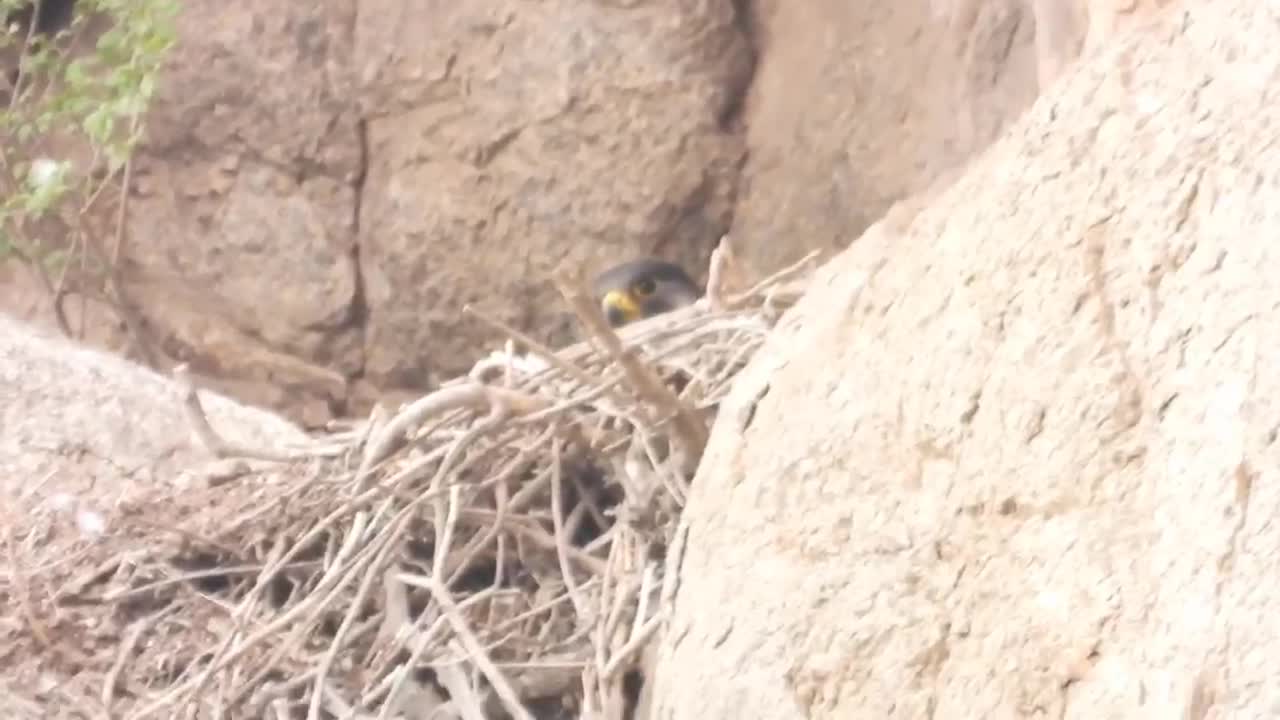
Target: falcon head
{"type": "Point", "coordinates": [641, 289]}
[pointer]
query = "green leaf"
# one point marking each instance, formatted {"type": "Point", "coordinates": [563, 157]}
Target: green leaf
{"type": "Point", "coordinates": [101, 93]}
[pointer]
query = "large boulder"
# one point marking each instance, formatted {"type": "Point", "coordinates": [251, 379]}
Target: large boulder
{"type": "Point", "coordinates": [1015, 454]}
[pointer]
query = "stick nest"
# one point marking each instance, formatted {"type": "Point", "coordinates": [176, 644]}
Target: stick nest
{"type": "Point", "coordinates": [505, 547]}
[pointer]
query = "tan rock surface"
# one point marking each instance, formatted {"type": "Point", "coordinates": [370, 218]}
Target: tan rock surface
{"type": "Point", "coordinates": [242, 234]}
{"type": "Point", "coordinates": [1029, 469]}
{"type": "Point", "coordinates": [73, 418]}
{"type": "Point", "coordinates": [855, 106]}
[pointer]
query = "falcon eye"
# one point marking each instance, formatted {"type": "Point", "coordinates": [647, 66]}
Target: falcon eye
{"type": "Point", "coordinates": [644, 287]}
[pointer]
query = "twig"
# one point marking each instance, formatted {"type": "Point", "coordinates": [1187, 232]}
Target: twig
{"type": "Point", "coordinates": [472, 395]}
{"type": "Point", "coordinates": [124, 306]}
{"type": "Point", "coordinates": [587, 504]}
{"type": "Point", "coordinates": [722, 260]}
{"type": "Point", "coordinates": [124, 594]}
{"type": "Point", "coordinates": [621, 553]}
{"type": "Point", "coordinates": [419, 641]}
{"type": "Point", "coordinates": [378, 545]}
{"type": "Point", "coordinates": [455, 680]}
{"type": "Point", "coordinates": [542, 540]}
{"type": "Point", "coordinates": [213, 442]}
{"type": "Point", "coordinates": [642, 600]}
{"type": "Point", "coordinates": [371, 573]}
{"type": "Point", "coordinates": [646, 384]}
{"type": "Point", "coordinates": [403, 673]}
{"type": "Point", "coordinates": [321, 598]}
{"type": "Point", "coordinates": [23, 588]}
{"type": "Point", "coordinates": [674, 562]}
{"type": "Point", "coordinates": [539, 349]}
{"type": "Point", "coordinates": [225, 655]}
{"type": "Point", "coordinates": [395, 610]}
{"type": "Point", "coordinates": [627, 652]}
{"type": "Point", "coordinates": [445, 530]}
{"type": "Point", "coordinates": [562, 542]}
{"type": "Point", "coordinates": [22, 55]}
{"type": "Point", "coordinates": [789, 271]}
{"type": "Point", "coordinates": [670, 474]}
{"type": "Point", "coordinates": [456, 567]}
{"type": "Point", "coordinates": [127, 644]}
{"type": "Point", "coordinates": [477, 653]}
{"type": "Point", "coordinates": [60, 285]}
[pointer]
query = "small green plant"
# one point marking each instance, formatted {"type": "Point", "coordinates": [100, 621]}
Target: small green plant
{"type": "Point", "coordinates": [73, 104]}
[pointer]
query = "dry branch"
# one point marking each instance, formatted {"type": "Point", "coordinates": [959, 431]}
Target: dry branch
{"type": "Point", "coordinates": [646, 383]}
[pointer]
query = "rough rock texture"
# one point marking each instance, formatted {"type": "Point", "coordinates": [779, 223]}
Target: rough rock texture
{"type": "Point", "coordinates": [1029, 468]}
{"type": "Point", "coordinates": [243, 229]}
{"type": "Point", "coordinates": [73, 419]}
{"type": "Point", "coordinates": [1066, 28]}
{"type": "Point", "coordinates": [855, 106]}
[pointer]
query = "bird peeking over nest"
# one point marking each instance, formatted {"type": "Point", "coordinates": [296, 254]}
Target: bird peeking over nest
{"type": "Point", "coordinates": [641, 289]}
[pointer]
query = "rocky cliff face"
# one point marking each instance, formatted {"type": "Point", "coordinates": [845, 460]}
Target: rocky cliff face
{"type": "Point", "coordinates": [1015, 454]}
{"type": "Point", "coordinates": [326, 185]}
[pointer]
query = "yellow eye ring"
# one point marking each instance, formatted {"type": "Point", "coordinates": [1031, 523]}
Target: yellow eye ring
{"type": "Point", "coordinates": [644, 287]}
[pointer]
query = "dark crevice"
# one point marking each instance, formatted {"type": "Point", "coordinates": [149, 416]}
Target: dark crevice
{"type": "Point", "coordinates": [51, 16]}
{"type": "Point", "coordinates": [751, 409]}
{"type": "Point", "coordinates": [732, 116]}
{"type": "Point", "coordinates": [693, 221]}
{"type": "Point", "coordinates": [358, 312]}
{"type": "Point", "coordinates": [744, 21]}
{"type": "Point", "coordinates": [359, 306]}
{"type": "Point", "coordinates": [357, 318]}
{"type": "Point", "coordinates": [39, 21]}
{"type": "Point", "coordinates": [632, 686]}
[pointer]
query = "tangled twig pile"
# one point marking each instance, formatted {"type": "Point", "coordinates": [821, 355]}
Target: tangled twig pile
{"type": "Point", "coordinates": [504, 547]}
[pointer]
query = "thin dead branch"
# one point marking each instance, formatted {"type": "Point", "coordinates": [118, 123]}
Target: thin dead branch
{"type": "Point", "coordinates": [646, 383]}
{"type": "Point", "coordinates": [476, 652]}
{"type": "Point", "coordinates": [214, 442]}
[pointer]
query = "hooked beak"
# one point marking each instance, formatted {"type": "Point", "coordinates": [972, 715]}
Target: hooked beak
{"type": "Point", "coordinates": [619, 308]}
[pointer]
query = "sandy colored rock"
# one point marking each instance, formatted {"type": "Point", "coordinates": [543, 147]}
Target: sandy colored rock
{"type": "Point", "coordinates": [73, 418]}
{"type": "Point", "coordinates": [242, 253]}
{"type": "Point", "coordinates": [1028, 468]}
{"type": "Point", "coordinates": [855, 106]}
{"type": "Point", "coordinates": [1067, 28]}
